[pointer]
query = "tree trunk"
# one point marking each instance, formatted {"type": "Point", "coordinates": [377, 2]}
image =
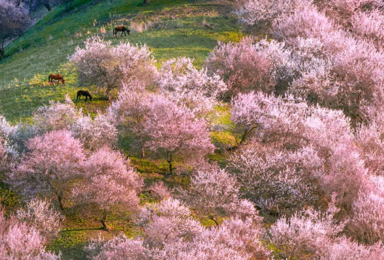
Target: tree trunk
{"type": "Point", "coordinates": [108, 93]}
{"type": "Point", "coordinates": [48, 7]}
{"type": "Point", "coordinates": [211, 217]}
{"type": "Point", "coordinates": [60, 199]}
{"type": "Point", "coordinates": [170, 163]}
{"type": "Point", "coordinates": [244, 136]}
{"type": "Point", "coordinates": [246, 132]}
{"type": "Point", "coordinates": [2, 49]}
{"type": "Point", "coordinates": [70, 4]}
{"type": "Point", "coordinates": [103, 221]}
{"type": "Point", "coordinates": [58, 195]}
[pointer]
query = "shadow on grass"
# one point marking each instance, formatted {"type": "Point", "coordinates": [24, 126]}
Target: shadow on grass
{"type": "Point", "coordinates": [67, 231]}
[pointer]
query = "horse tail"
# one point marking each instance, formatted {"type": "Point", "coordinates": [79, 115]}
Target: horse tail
{"type": "Point", "coordinates": [49, 77]}
{"type": "Point", "coordinates": [114, 31]}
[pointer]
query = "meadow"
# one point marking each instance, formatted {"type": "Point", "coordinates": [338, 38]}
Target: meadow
{"type": "Point", "coordinates": [170, 28]}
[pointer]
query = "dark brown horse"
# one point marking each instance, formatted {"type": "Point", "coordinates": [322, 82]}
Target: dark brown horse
{"type": "Point", "coordinates": [57, 77]}
{"type": "Point", "coordinates": [121, 29]}
{"type": "Point", "coordinates": [84, 93]}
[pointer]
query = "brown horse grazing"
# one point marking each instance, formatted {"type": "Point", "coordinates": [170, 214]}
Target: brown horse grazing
{"type": "Point", "coordinates": [121, 29]}
{"type": "Point", "coordinates": [84, 93]}
{"type": "Point", "coordinates": [57, 77]}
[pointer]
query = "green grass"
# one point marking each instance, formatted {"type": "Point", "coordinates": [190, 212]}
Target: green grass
{"type": "Point", "coordinates": [174, 28]}
{"type": "Point", "coordinates": [7, 197]}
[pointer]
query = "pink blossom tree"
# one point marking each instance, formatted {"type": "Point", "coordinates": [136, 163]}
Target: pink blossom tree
{"type": "Point", "coordinates": [182, 83]}
{"type": "Point", "coordinates": [159, 190]}
{"type": "Point", "coordinates": [345, 248]}
{"type": "Point", "coordinates": [108, 180]}
{"type": "Point", "coordinates": [21, 241]}
{"type": "Point", "coordinates": [170, 232]}
{"type": "Point", "coordinates": [95, 133]}
{"type": "Point", "coordinates": [130, 112]}
{"type": "Point", "coordinates": [175, 132]}
{"type": "Point", "coordinates": [284, 67]}
{"type": "Point", "coordinates": [369, 25]}
{"type": "Point", "coordinates": [254, 12]}
{"type": "Point", "coordinates": [241, 66]}
{"type": "Point", "coordinates": [168, 222]}
{"type": "Point", "coordinates": [108, 67]}
{"type": "Point", "coordinates": [357, 69]}
{"type": "Point", "coordinates": [369, 138]}
{"type": "Point", "coordinates": [214, 193]}
{"type": "Point", "coordinates": [234, 239]}
{"type": "Point", "coordinates": [41, 215]}
{"type": "Point", "coordinates": [284, 125]}
{"type": "Point", "coordinates": [56, 116]}
{"type": "Point", "coordinates": [51, 161]}
{"type": "Point", "coordinates": [244, 112]}
{"type": "Point", "coordinates": [338, 74]}
{"type": "Point", "coordinates": [305, 234]}
{"type": "Point", "coordinates": [279, 182]}
{"type": "Point", "coordinates": [367, 223]}
{"type": "Point", "coordinates": [306, 23]}
{"type": "Point", "coordinates": [341, 11]}
{"type": "Point", "coordinates": [118, 248]}
{"type": "Point", "coordinates": [162, 126]}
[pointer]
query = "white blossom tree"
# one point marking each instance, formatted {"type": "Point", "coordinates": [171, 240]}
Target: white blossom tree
{"type": "Point", "coordinates": [109, 67]}
{"type": "Point", "coordinates": [13, 21]}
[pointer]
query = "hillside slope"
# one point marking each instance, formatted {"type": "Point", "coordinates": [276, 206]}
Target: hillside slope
{"type": "Point", "coordinates": [170, 28]}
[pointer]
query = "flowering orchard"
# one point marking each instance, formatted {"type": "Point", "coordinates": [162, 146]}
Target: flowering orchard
{"type": "Point", "coordinates": [302, 178]}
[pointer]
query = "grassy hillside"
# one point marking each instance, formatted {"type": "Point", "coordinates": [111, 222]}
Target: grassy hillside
{"type": "Point", "coordinates": [170, 28]}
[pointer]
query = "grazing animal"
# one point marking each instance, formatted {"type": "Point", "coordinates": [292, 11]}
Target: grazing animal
{"type": "Point", "coordinates": [84, 93]}
{"type": "Point", "coordinates": [121, 29]}
{"type": "Point", "coordinates": [57, 77]}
